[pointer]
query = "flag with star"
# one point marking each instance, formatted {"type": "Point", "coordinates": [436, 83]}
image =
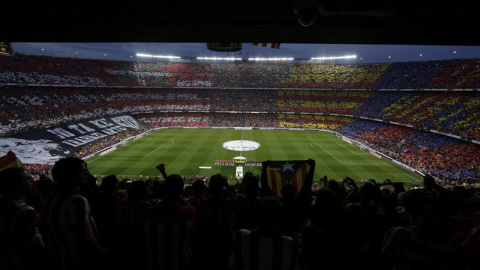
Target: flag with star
{"type": "Point", "coordinates": [294, 172]}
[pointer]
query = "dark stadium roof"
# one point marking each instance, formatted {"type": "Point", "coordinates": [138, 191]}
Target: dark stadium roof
{"type": "Point", "coordinates": [338, 22]}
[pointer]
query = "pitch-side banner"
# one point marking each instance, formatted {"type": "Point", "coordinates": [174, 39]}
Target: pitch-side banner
{"type": "Point", "coordinates": [45, 146]}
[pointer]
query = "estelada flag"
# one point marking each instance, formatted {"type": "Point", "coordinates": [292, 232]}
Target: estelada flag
{"type": "Point", "coordinates": [10, 160]}
{"type": "Point", "coordinates": [295, 172]}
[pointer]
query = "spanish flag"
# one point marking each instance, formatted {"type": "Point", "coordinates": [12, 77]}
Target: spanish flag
{"type": "Point", "coordinates": [294, 172]}
{"type": "Point", "coordinates": [10, 160]}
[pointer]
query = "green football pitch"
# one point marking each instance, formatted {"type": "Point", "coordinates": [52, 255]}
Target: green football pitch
{"type": "Point", "coordinates": [194, 151]}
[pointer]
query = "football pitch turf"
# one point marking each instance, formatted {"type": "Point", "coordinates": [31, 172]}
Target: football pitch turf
{"type": "Point", "coordinates": [184, 151]}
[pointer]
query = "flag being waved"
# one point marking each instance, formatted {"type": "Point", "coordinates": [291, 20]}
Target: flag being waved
{"type": "Point", "coordinates": [10, 160]}
{"type": "Point", "coordinates": [161, 168]}
{"type": "Point", "coordinates": [295, 172]}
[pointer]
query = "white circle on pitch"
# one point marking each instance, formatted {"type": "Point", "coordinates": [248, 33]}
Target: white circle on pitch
{"type": "Point", "coordinates": [241, 145]}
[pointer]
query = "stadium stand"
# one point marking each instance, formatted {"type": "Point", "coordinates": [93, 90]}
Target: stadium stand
{"type": "Point", "coordinates": [422, 113]}
{"type": "Point", "coordinates": [403, 99]}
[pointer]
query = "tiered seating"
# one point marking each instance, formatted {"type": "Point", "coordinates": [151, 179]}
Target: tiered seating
{"type": "Point", "coordinates": [319, 96]}
{"type": "Point", "coordinates": [154, 120]}
{"type": "Point", "coordinates": [36, 107]}
{"type": "Point", "coordinates": [312, 121]}
{"type": "Point", "coordinates": [24, 69]}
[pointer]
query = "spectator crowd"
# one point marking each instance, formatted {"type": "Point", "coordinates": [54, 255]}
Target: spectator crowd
{"type": "Point", "coordinates": [70, 222]}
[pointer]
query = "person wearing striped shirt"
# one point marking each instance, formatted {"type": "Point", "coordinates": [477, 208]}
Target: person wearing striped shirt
{"type": "Point", "coordinates": [265, 248]}
{"type": "Point", "coordinates": [167, 227]}
{"type": "Point", "coordinates": [131, 250]}
{"type": "Point", "coordinates": [70, 231]}
{"type": "Point", "coordinates": [214, 224]}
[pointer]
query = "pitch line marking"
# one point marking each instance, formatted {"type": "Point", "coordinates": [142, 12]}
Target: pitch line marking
{"type": "Point", "coordinates": [355, 153]}
{"type": "Point", "coordinates": [139, 144]}
{"type": "Point", "coordinates": [383, 161]}
{"type": "Point", "coordinates": [170, 143]}
{"type": "Point", "coordinates": [400, 170]}
{"type": "Point", "coordinates": [341, 162]}
{"type": "Point", "coordinates": [94, 158]}
{"type": "Point", "coordinates": [97, 157]}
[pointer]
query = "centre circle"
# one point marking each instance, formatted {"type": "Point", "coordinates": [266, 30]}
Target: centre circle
{"type": "Point", "coordinates": [241, 145]}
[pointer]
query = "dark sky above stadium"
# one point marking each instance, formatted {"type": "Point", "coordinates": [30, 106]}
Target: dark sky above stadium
{"type": "Point", "coordinates": [364, 53]}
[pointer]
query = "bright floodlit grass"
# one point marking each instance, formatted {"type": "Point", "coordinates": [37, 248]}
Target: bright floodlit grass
{"type": "Point", "coordinates": [185, 150]}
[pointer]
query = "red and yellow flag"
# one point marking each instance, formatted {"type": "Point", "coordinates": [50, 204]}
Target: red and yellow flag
{"type": "Point", "coordinates": [10, 160]}
{"type": "Point", "coordinates": [294, 172]}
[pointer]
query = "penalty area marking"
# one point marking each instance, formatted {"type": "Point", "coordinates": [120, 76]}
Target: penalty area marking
{"type": "Point", "coordinates": [342, 162]}
{"type": "Point", "coordinates": [168, 143]}
{"type": "Point", "coordinates": [355, 153]}
{"type": "Point", "coordinates": [205, 167]}
{"type": "Point", "coordinates": [351, 163]}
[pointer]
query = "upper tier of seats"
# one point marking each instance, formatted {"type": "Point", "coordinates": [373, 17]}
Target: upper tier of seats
{"type": "Point", "coordinates": [443, 74]}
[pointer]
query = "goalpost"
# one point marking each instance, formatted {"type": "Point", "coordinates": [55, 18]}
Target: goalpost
{"type": "Point", "coordinates": [134, 138]}
{"type": "Point", "coordinates": [128, 140]}
{"type": "Point", "coordinates": [125, 142]}
{"type": "Point", "coordinates": [359, 145]}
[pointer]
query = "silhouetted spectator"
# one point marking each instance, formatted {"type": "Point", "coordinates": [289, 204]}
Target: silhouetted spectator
{"type": "Point", "coordinates": [104, 204]}
{"type": "Point", "coordinates": [265, 247]}
{"type": "Point", "coordinates": [69, 229]}
{"type": "Point", "coordinates": [214, 225]}
{"type": "Point", "coordinates": [246, 199]}
{"type": "Point", "coordinates": [44, 186]}
{"type": "Point", "coordinates": [167, 228]}
{"type": "Point", "coordinates": [294, 209]}
{"type": "Point", "coordinates": [423, 244]}
{"type": "Point", "coordinates": [314, 250]}
{"type": "Point", "coordinates": [21, 244]}
{"type": "Point", "coordinates": [198, 189]}
{"type": "Point", "coordinates": [131, 249]}
{"type": "Point", "coordinates": [326, 215]}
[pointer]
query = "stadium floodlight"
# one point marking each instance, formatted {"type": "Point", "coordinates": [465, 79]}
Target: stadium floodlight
{"type": "Point", "coordinates": [219, 58]}
{"type": "Point", "coordinates": [157, 56]}
{"type": "Point", "coordinates": [270, 59]}
{"type": "Point", "coordinates": [353, 56]}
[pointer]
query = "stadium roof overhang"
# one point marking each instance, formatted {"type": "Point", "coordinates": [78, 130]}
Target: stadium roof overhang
{"type": "Point", "coordinates": [335, 22]}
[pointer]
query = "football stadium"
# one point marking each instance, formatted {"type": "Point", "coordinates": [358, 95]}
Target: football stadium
{"type": "Point", "coordinates": [246, 157]}
{"type": "Point", "coordinates": [173, 165]}
{"type": "Point", "coordinates": [396, 121]}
